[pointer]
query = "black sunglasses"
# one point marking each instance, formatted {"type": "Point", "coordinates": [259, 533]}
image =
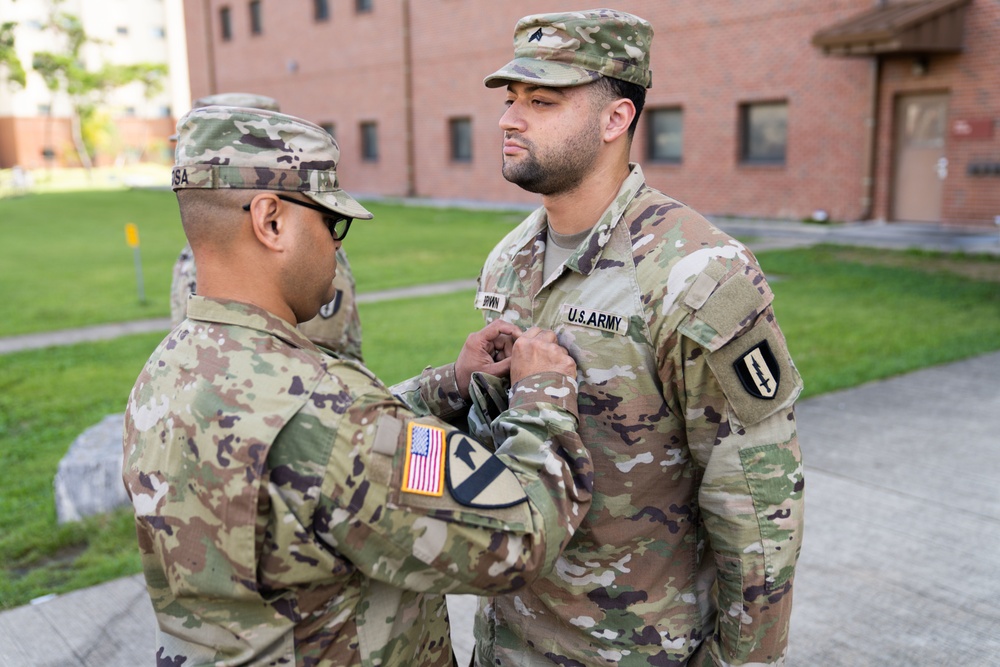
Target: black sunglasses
{"type": "Point", "coordinates": [337, 224]}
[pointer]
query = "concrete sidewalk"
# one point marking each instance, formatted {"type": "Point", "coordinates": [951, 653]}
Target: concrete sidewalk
{"type": "Point", "coordinates": [900, 565]}
{"type": "Point", "coordinates": [116, 330]}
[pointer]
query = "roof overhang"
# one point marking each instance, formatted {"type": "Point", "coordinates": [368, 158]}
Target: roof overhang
{"type": "Point", "coordinates": [907, 28]}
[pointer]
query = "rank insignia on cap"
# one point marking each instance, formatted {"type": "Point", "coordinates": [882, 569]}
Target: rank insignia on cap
{"type": "Point", "coordinates": [424, 470]}
{"type": "Point", "coordinates": [477, 478]}
{"type": "Point", "coordinates": [758, 371]}
{"type": "Point", "coordinates": [330, 309]}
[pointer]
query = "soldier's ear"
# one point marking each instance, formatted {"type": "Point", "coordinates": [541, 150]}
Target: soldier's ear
{"type": "Point", "coordinates": [268, 226]}
{"type": "Point", "coordinates": [617, 118]}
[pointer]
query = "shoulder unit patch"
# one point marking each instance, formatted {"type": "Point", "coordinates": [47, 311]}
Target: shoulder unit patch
{"type": "Point", "coordinates": [758, 371]}
{"type": "Point", "coordinates": [477, 478]}
{"type": "Point", "coordinates": [330, 309]}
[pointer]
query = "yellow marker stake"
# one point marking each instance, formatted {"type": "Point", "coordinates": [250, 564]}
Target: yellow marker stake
{"type": "Point", "coordinates": [132, 238]}
{"type": "Point", "coordinates": [132, 235]}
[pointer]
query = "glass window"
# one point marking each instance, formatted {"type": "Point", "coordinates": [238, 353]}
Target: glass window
{"type": "Point", "coordinates": [369, 142]}
{"type": "Point", "coordinates": [666, 135]}
{"type": "Point", "coordinates": [255, 20]}
{"type": "Point", "coordinates": [330, 129]}
{"type": "Point", "coordinates": [460, 131]}
{"type": "Point", "coordinates": [764, 132]}
{"type": "Point", "coordinates": [363, 5]}
{"type": "Point", "coordinates": [321, 10]}
{"type": "Point", "coordinates": [226, 23]}
{"type": "Point", "coordinates": [122, 30]}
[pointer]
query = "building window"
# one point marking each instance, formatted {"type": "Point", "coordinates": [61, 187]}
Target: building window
{"type": "Point", "coordinates": [226, 24]}
{"type": "Point", "coordinates": [363, 5]}
{"type": "Point", "coordinates": [44, 109]}
{"type": "Point", "coordinates": [764, 132]}
{"type": "Point", "coordinates": [330, 129]}
{"type": "Point", "coordinates": [122, 30]}
{"type": "Point", "coordinates": [460, 131]}
{"type": "Point", "coordinates": [321, 10]}
{"type": "Point", "coordinates": [369, 142]}
{"type": "Point", "coordinates": [255, 21]}
{"type": "Point", "coordinates": [129, 112]}
{"type": "Point", "coordinates": [666, 135]}
{"type": "Point", "coordinates": [166, 111]}
{"type": "Point", "coordinates": [158, 32]}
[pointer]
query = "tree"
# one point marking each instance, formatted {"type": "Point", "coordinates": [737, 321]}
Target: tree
{"type": "Point", "coordinates": [67, 71]}
{"type": "Point", "coordinates": [9, 62]}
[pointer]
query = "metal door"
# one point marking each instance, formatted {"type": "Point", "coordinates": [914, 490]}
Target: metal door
{"type": "Point", "coordinates": [921, 166]}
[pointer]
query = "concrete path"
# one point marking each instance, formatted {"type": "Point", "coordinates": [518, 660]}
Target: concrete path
{"type": "Point", "coordinates": [763, 235]}
{"type": "Point", "coordinates": [116, 330]}
{"type": "Point", "coordinates": [900, 566]}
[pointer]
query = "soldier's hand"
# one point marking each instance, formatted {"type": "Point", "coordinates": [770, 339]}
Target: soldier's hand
{"type": "Point", "coordinates": [538, 351]}
{"type": "Point", "coordinates": [487, 351]}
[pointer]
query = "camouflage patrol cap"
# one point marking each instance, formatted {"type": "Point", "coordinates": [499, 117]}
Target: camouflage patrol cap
{"type": "Point", "coordinates": [254, 149]}
{"type": "Point", "coordinates": [249, 100]}
{"type": "Point", "coordinates": [574, 48]}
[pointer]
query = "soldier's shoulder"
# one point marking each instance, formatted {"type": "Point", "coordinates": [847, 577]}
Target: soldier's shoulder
{"type": "Point", "coordinates": [654, 217]}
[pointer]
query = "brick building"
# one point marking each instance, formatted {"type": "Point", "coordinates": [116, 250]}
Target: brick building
{"type": "Point", "coordinates": [774, 108]}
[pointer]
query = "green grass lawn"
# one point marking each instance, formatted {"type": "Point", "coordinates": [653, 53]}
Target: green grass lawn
{"type": "Point", "coordinates": [66, 263]}
{"type": "Point", "coordinates": [850, 316]}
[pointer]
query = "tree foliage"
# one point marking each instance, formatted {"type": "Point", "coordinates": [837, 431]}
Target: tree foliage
{"type": "Point", "coordinates": [10, 64]}
{"type": "Point", "coordinates": [67, 71]}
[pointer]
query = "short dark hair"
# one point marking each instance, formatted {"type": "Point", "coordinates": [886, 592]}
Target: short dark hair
{"type": "Point", "coordinates": [616, 89]}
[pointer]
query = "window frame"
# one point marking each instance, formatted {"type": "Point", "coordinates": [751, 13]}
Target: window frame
{"type": "Point", "coordinates": [321, 11]}
{"type": "Point", "coordinates": [256, 17]}
{"type": "Point", "coordinates": [454, 127]}
{"type": "Point", "coordinates": [364, 6]}
{"type": "Point", "coordinates": [226, 23]}
{"type": "Point", "coordinates": [745, 156]}
{"type": "Point", "coordinates": [651, 135]}
{"type": "Point", "coordinates": [369, 141]}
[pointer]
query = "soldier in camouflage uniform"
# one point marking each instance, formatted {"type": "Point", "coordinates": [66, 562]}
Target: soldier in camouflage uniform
{"type": "Point", "coordinates": [289, 509]}
{"type": "Point", "coordinates": [686, 387]}
{"type": "Point", "coordinates": [337, 327]}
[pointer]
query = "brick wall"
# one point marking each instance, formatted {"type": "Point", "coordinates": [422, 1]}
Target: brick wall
{"type": "Point", "coordinates": [708, 59]}
{"type": "Point", "coordinates": [972, 82]}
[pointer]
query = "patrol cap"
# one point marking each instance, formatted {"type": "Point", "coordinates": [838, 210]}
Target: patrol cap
{"type": "Point", "coordinates": [249, 100]}
{"type": "Point", "coordinates": [255, 149]}
{"type": "Point", "coordinates": [574, 48]}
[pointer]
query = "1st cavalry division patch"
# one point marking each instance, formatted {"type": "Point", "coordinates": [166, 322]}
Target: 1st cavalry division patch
{"type": "Point", "coordinates": [758, 371]}
{"type": "Point", "coordinates": [477, 478]}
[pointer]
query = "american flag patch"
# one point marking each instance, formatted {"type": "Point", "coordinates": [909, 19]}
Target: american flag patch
{"type": "Point", "coordinates": [424, 471]}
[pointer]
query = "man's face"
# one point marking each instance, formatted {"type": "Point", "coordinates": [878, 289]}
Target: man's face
{"type": "Point", "coordinates": [552, 137]}
{"type": "Point", "coordinates": [314, 262]}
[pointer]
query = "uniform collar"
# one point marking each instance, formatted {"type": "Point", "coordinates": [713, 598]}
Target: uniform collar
{"type": "Point", "coordinates": [236, 313]}
{"type": "Point", "coordinates": [586, 257]}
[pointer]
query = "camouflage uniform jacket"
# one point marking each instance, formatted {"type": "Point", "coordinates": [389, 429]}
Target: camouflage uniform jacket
{"type": "Point", "coordinates": [686, 404]}
{"type": "Point", "coordinates": [337, 327]}
{"type": "Point", "coordinates": [290, 511]}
